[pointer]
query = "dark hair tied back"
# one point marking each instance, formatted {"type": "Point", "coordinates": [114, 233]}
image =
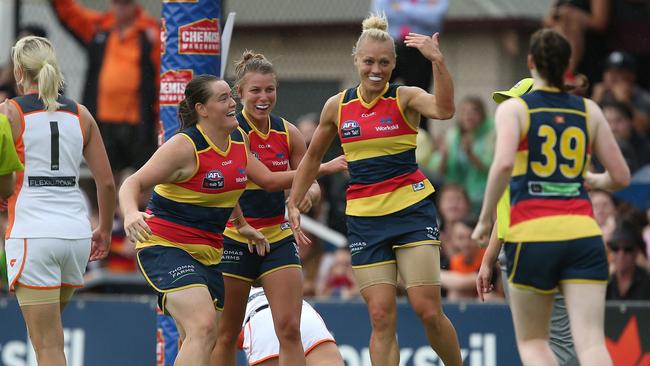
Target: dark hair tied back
{"type": "Point", "coordinates": [551, 52]}
{"type": "Point", "coordinates": [196, 91]}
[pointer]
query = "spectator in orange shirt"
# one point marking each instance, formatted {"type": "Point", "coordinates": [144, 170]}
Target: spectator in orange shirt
{"type": "Point", "coordinates": [121, 89]}
{"type": "Point", "coordinates": [460, 279]}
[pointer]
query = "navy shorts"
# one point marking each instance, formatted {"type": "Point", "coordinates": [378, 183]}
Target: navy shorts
{"type": "Point", "coordinates": [169, 269]}
{"type": "Point", "coordinates": [541, 266]}
{"type": "Point", "coordinates": [238, 262]}
{"type": "Point", "coordinates": [373, 239]}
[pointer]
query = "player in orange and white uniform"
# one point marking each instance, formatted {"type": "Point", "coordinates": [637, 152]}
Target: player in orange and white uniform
{"type": "Point", "coordinates": [390, 215]}
{"type": "Point", "coordinates": [545, 140]}
{"type": "Point", "coordinates": [49, 238]}
{"type": "Point", "coordinates": [261, 345]}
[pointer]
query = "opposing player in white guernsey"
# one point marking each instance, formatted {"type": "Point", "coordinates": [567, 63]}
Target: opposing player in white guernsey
{"type": "Point", "coordinates": [49, 238]}
{"type": "Point", "coordinates": [262, 347]}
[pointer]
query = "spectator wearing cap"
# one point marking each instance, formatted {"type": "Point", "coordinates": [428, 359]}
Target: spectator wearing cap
{"type": "Point", "coordinates": [629, 280]}
{"type": "Point", "coordinates": [619, 85]}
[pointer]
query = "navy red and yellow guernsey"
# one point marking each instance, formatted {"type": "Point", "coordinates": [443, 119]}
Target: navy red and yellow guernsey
{"type": "Point", "coordinates": [192, 214]}
{"type": "Point", "coordinates": [265, 210]}
{"type": "Point", "coordinates": [379, 145]}
{"type": "Point", "coordinates": [548, 201]}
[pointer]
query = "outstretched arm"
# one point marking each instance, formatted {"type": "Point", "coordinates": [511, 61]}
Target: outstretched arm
{"type": "Point", "coordinates": [80, 21]}
{"type": "Point", "coordinates": [440, 105]}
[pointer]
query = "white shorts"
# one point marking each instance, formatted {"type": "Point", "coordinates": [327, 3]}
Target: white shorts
{"type": "Point", "coordinates": [261, 343]}
{"type": "Point", "coordinates": [46, 263]}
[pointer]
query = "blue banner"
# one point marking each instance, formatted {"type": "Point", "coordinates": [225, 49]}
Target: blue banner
{"type": "Point", "coordinates": [97, 332]}
{"type": "Point", "coordinates": [191, 45]}
{"type": "Point", "coordinates": [485, 334]}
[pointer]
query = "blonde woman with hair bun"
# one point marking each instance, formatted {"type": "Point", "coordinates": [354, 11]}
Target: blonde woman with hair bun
{"type": "Point", "coordinates": [391, 217]}
{"type": "Point", "coordinates": [280, 146]}
{"type": "Point", "coordinates": [49, 238]}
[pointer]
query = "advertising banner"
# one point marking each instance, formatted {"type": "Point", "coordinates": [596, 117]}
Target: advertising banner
{"type": "Point", "coordinates": [191, 45]}
{"type": "Point", "coordinates": [96, 332]}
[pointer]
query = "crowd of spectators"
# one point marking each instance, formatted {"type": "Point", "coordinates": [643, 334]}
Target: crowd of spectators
{"type": "Point", "coordinates": [458, 160]}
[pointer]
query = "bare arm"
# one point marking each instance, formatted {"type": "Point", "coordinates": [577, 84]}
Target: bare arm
{"type": "Point", "coordinates": [298, 149]}
{"type": "Point", "coordinates": [308, 168]}
{"type": "Point", "coordinates": [174, 161]}
{"type": "Point", "coordinates": [617, 173]}
{"type": "Point", "coordinates": [483, 285]}
{"type": "Point", "coordinates": [599, 17]}
{"type": "Point", "coordinates": [508, 123]}
{"type": "Point", "coordinates": [7, 185]}
{"type": "Point", "coordinates": [97, 160]}
{"type": "Point", "coordinates": [440, 105]}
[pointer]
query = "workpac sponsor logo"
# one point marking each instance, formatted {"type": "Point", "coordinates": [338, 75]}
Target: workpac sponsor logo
{"type": "Point", "coordinates": [386, 124]}
{"type": "Point", "coordinates": [282, 161]}
{"type": "Point", "coordinates": [172, 86]}
{"type": "Point", "coordinates": [213, 180]}
{"type": "Point", "coordinates": [350, 128]}
{"type": "Point", "coordinates": [199, 38]}
{"type": "Point", "coordinates": [21, 353]}
{"type": "Point", "coordinates": [243, 178]}
{"type": "Point", "coordinates": [482, 351]}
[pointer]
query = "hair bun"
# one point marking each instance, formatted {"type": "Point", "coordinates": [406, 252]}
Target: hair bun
{"type": "Point", "coordinates": [375, 21]}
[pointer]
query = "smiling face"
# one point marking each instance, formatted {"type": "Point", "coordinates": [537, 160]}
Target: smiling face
{"type": "Point", "coordinates": [375, 61]}
{"type": "Point", "coordinates": [219, 107]}
{"type": "Point", "coordinates": [258, 95]}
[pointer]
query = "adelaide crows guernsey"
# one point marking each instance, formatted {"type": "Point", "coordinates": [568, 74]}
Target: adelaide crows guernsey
{"type": "Point", "coordinates": [192, 214]}
{"type": "Point", "coordinates": [548, 201]}
{"type": "Point", "coordinates": [265, 210]}
{"type": "Point", "coordinates": [47, 201]}
{"type": "Point", "coordinates": [379, 145]}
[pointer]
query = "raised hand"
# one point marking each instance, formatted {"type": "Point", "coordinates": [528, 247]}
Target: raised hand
{"type": "Point", "coordinates": [429, 47]}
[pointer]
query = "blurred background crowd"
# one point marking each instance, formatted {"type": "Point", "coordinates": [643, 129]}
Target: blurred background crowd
{"type": "Point", "coordinates": [109, 50]}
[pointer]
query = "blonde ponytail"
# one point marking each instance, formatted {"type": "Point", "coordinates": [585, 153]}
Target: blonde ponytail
{"type": "Point", "coordinates": [36, 59]}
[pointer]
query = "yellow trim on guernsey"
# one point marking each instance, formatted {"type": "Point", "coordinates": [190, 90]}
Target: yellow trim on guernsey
{"type": "Point", "coordinates": [372, 148]}
{"type": "Point", "coordinates": [183, 195]}
{"type": "Point", "coordinates": [387, 203]}
{"type": "Point", "coordinates": [554, 228]}
{"type": "Point", "coordinates": [273, 234]}
{"type": "Point", "coordinates": [206, 255]}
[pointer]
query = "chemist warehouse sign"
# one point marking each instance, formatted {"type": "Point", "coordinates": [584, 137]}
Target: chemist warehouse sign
{"type": "Point", "coordinates": [199, 38]}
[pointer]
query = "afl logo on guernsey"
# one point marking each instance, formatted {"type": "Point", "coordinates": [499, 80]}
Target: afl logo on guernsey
{"type": "Point", "coordinates": [213, 180]}
{"type": "Point", "coordinates": [350, 128]}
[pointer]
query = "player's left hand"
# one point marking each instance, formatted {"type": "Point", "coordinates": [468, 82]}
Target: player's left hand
{"type": "Point", "coordinates": [429, 47]}
{"type": "Point", "coordinates": [294, 220]}
{"type": "Point", "coordinates": [100, 244]}
{"type": "Point", "coordinates": [257, 242]}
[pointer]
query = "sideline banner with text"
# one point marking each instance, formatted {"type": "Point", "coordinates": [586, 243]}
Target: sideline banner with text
{"type": "Point", "coordinates": [190, 45]}
{"type": "Point", "coordinates": [122, 331]}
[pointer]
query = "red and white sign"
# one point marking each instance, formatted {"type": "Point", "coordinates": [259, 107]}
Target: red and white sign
{"type": "Point", "coordinates": [172, 86]}
{"type": "Point", "coordinates": [199, 38]}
